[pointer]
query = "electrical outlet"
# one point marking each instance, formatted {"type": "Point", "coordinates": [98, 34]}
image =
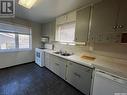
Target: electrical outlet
{"type": "Point", "coordinates": [91, 48]}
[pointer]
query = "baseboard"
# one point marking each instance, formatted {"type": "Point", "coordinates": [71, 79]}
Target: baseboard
{"type": "Point", "coordinates": [17, 65]}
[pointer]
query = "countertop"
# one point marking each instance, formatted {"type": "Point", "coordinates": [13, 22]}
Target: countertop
{"type": "Point", "coordinates": [114, 66]}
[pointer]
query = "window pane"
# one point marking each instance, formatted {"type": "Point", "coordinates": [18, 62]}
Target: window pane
{"type": "Point", "coordinates": [66, 32]}
{"type": "Point", "coordinates": [24, 41]}
{"type": "Point", "coordinates": [7, 40]}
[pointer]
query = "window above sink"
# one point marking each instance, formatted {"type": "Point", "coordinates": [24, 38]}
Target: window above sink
{"type": "Point", "coordinates": [66, 32]}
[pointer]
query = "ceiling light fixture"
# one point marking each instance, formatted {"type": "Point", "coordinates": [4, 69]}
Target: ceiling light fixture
{"type": "Point", "coordinates": [27, 3]}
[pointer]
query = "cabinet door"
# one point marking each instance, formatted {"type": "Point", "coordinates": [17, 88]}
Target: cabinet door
{"type": "Point", "coordinates": [71, 17]}
{"type": "Point", "coordinates": [47, 60]}
{"type": "Point", "coordinates": [62, 69]}
{"type": "Point", "coordinates": [80, 77]}
{"type": "Point", "coordinates": [46, 29]}
{"type": "Point", "coordinates": [82, 25]}
{"type": "Point", "coordinates": [58, 66]}
{"type": "Point", "coordinates": [49, 29]}
{"type": "Point", "coordinates": [122, 21]}
{"type": "Point", "coordinates": [104, 19]}
{"type": "Point", "coordinates": [52, 31]}
{"type": "Point", "coordinates": [61, 19]}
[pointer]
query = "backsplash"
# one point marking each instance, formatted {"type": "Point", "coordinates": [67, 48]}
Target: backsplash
{"type": "Point", "coordinates": [112, 50]}
{"type": "Point", "coordinates": [70, 48]}
{"type": "Point", "coordinates": [107, 50]}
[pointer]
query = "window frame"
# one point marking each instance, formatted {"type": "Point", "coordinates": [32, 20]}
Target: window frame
{"type": "Point", "coordinates": [30, 42]}
{"type": "Point", "coordinates": [17, 41]}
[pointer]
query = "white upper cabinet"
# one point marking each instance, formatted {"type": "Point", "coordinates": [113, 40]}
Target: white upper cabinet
{"type": "Point", "coordinates": [109, 20]}
{"type": "Point", "coordinates": [70, 17]}
{"type": "Point", "coordinates": [49, 29]}
{"type": "Point", "coordinates": [122, 17]}
{"type": "Point", "coordinates": [103, 26]}
{"type": "Point", "coordinates": [104, 16]}
{"type": "Point", "coordinates": [82, 24]}
{"type": "Point", "coordinates": [61, 19]}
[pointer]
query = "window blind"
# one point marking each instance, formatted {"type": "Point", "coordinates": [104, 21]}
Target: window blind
{"type": "Point", "coordinates": [66, 32]}
{"type": "Point", "coordinates": [13, 28]}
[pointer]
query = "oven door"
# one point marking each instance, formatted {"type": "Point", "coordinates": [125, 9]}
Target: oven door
{"type": "Point", "coordinates": [38, 54]}
{"type": "Point", "coordinates": [38, 57]}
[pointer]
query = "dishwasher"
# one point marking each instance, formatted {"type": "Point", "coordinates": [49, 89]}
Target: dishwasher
{"type": "Point", "coordinates": [108, 84]}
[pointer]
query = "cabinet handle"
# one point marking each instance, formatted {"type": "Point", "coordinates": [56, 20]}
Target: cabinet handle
{"type": "Point", "coordinates": [88, 70]}
{"type": "Point", "coordinates": [70, 63]}
{"type": "Point", "coordinates": [57, 64]}
{"type": "Point", "coordinates": [115, 27]}
{"type": "Point", "coordinates": [75, 39]}
{"type": "Point", "coordinates": [66, 17]}
{"type": "Point", "coordinates": [77, 75]}
{"type": "Point", "coordinates": [120, 26]}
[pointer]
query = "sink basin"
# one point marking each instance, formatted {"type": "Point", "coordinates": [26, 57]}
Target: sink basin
{"type": "Point", "coordinates": [57, 52]}
{"type": "Point", "coordinates": [66, 54]}
{"type": "Point", "coordinates": [63, 54]}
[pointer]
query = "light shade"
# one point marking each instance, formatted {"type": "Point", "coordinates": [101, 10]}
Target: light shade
{"type": "Point", "coordinates": [27, 3]}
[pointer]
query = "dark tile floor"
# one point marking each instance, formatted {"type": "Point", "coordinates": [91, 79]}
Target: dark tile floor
{"type": "Point", "coordinates": [30, 79]}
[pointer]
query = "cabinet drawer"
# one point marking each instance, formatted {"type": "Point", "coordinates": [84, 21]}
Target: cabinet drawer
{"type": "Point", "coordinates": [58, 66]}
{"type": "Point", "coordinates": [79, 67]}
{"type": "Point", "coordinates": [58, 59]}
{"type": "Point", "coordinates": [47, 60]}
{"type": "Point", "coordinates": [80, 77]}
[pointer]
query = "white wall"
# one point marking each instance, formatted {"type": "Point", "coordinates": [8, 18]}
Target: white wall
{"type": "Point", "coordinates": [15, 58]}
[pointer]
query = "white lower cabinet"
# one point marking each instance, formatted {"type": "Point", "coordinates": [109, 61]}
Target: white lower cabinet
{"type": "Point", "coordinates": [58, 66]}
{"type": "Point", "coordinates": [77, 75]}
{"type": "Point", "coordinates": [47, 60]}
{"type": "Point", "coordinates": [80, 77]}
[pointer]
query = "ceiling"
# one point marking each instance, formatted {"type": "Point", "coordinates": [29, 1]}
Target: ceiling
{"type": "Point", "coordinates": [46, 10]}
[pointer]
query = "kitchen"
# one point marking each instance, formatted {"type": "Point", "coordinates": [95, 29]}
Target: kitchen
{"type": "Point", "coordinates": [79, 47]}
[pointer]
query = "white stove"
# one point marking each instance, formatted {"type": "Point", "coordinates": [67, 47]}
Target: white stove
{"type": "Point", "coordinates": [39, 56]}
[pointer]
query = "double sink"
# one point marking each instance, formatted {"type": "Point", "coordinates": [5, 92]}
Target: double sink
{"type": "Point", "coordinates": [63, 53]}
